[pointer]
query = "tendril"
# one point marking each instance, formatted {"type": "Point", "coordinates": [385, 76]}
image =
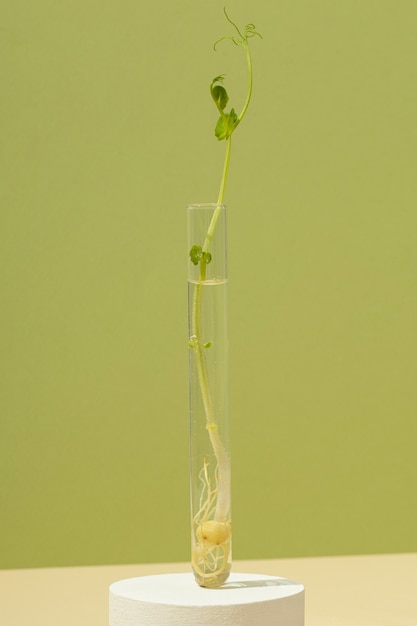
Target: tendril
{"type": "Point", "coordinates": [249, 31]}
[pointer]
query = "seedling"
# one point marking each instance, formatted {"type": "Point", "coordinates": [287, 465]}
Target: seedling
{"type": "Point", "coordinates": [211, 524]}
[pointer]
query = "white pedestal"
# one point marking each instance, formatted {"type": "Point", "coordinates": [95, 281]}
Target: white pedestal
{"type": "Point", "coordinates": [176, 600]}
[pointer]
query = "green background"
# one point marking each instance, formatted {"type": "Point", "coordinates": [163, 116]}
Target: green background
{"type": "Point", "coordinates": [106, 136]}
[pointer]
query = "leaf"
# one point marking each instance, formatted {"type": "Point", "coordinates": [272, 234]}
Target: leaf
{"type": "Point", "coordinates": [219, 93]}
{"type": "Point", "coordinates": [196, 254]}
{"type": "Point", "coordinates": [232, 119]}
{"type": "Point", "coordinates": [225, 125]}
{"type": "Point", "coordinates": [220, 97]}
{"type": "Point", "coordinates": [221, 129]}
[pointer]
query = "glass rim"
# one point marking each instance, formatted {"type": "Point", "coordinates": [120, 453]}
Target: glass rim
{"type": "Point", "coordinates": [205, 205]}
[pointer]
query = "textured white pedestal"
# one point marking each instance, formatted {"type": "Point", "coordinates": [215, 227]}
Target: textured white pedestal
{"type": "Point", "coordinates": [176, 600]}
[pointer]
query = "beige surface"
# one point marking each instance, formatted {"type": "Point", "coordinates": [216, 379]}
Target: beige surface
{"type": "Point", "coordinates": [340, 591]}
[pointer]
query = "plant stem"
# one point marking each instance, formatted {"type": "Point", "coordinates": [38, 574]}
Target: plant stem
{"type": "Point", "coordinates": [222, 190]}
{"type": "Point", "coordinates": [223, 504]}
{"type": "Point", "coordinates": [250, 82]}
{"type": "Point", "coordinates": [223, 462]}
{"type": "Point", "coordinates": [220, 199]}
{"type": "Point", "coordinates": [218, 497]}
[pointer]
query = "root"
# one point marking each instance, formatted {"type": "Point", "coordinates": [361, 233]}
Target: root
{"type": "Point", "coordinates": [211, 538]}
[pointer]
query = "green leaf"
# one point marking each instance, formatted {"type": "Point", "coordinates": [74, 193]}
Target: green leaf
{"type": "Point", "coordinates": [219, 93]}
{"type": "Point", "coordinates": [220, 97]}
{"type": "Point", "coordinates": [232, 119]}
{"type": "Point", "coordinates": [225, 125]}
{"type": "Point", "coordinates": [221, 129]}
{"type": "Point", "coordinates": [196, 254]}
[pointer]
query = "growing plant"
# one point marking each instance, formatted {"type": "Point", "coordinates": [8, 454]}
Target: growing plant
{"type": "Point", "coordinates": [211, 523]}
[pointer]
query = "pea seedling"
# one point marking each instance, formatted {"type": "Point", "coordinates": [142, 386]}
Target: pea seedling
{"type": "Point", "coordinates": [211, 523]}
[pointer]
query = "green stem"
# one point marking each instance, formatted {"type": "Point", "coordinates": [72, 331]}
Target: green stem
{"type": "Point", "coordinates": [223, 462]}
{"type": "Point", "coordinates": [220, 199]}
{"type": "Point", "coordinates": [226, 165]}
{"type": "Point", "coordinates": [196, 324]}
{"type": "Point", "coordinates": [200, 361]}
{"type": "Point", "coordinates": [196, 311]}
{"type": "Point", "coordinates": [250, 83]}
{"type": "Point", "coordinates": [222, 190]}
